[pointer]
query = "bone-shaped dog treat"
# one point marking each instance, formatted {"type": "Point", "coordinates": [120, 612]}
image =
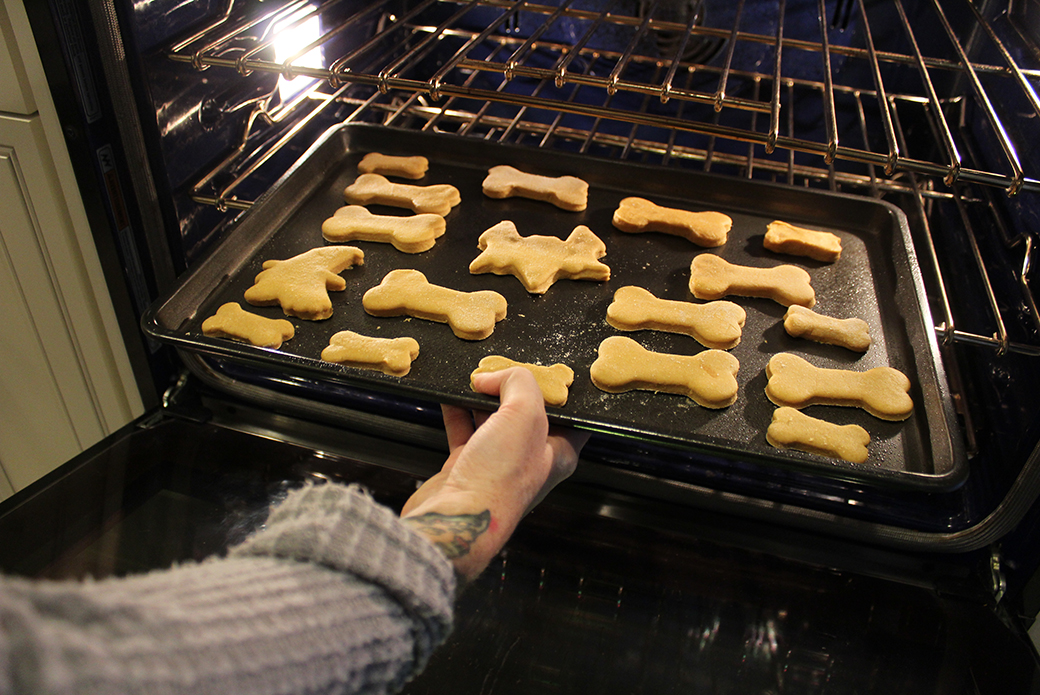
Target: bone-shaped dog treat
{"type": "Point", "coordinates": [539, 261]}
{"type": "Point", "coordinates": [638, 215]}
{"type": "Point", "coordinates": [566, 192]}
{"type": "Point", "coordinates": [373, 189]}
{"type": "Point", "coordinates": [708, 378]}
{"type": "Point", "coordinates": [712, 277]}
{"type": "Point", "coordinates": [793, 429]}
{"type": "Point", "coordinates": [715, 324]}
{"type": "Point", "coordinates": [302, 283]}
{"type": "Point", "coordinates": [554, 381]}
{"type": "Point", "coordinates": [413, 234]}
{"type": "Point", "coordinates": [853, 334]}
{"type": "Point", "coordinates": [390, 165]}
{"type": "Point", "coordinates": [782, 237]}
{"type": "Point", "coordinates": [391, 356]}
{"type": "Point", "coordinates": [232, 321]}
{"type": "Point", "coordinates": [471, 315]}
{"type": "Point", "coordinates": [882, 391]}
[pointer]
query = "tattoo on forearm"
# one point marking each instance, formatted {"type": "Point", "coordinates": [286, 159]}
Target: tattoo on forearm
{"type": "Point", "coordinates": [454, 534]}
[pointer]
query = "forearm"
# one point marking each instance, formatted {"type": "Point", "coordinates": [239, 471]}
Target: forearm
{"type": "Point", "coordinates": [469, 529]}
{"type": "Point", "coordinates": [499, 467]}
{"type": "Point", "coordinates": [334, 593]}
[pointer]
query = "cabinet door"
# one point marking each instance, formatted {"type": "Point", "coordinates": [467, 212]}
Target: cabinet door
{"type": "Point", "coordinates": [59, 387]}
{"type": "Point", "coordinates": [15, 92]}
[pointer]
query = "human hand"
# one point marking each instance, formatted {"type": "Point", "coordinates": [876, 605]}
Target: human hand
{"type": "Point", "coordinates": [499, 467]}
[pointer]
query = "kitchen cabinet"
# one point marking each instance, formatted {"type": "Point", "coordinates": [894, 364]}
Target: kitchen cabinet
{"type": "Point", "coordinates": [65, 380]}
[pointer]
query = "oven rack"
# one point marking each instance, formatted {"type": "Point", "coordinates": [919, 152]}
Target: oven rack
{"type": "Point", "coordinates": [352, 103]}
{"type": "Point", "coordinates": [821, 63]}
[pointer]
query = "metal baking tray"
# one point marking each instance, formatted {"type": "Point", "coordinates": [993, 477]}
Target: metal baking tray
{"type": "Point", "coordinates": [876, 279]}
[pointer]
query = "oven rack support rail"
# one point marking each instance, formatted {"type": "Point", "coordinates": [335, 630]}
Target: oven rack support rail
{"type": "Point", "coordinates": [544, 122]}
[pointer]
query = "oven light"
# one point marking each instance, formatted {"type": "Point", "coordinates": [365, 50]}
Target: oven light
{"type": "Point", "coordinates": [291, 36]}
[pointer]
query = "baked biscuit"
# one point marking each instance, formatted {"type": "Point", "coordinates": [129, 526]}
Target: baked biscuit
{"type": "Point", "coordinates": [539, 261]}
{"type": "Point", "coordinates": [712, 277]}
{"type": "Point", "coordinates": [782, 237]}
{"type": "Point", "coordinates": [714, 325]}
{"type": "Point", "coordinates": [403, 292]}
{"type": "Point", "coordinates": [391, 356]}
{"type": "Point", "coordinates": [554, 381]}
{"type": "Point", "coordinates": [853, 334]}
{"type": "Point", "coordinates": [412, 234]}
{"type": "Point", "coordinates": [373, 189]}
{"type": "Point", "coordinates": [883, 391]}
{"type": "Point", "coordinates": [234, 322]}
{"type": "Point", "coordinates": [637, 215]}
{"type": "Point", "coordinates": [793, 429]}
{"type": "Point", "coordinates": [391, 165]}
{"type": "Point", "coordinates": [301, 284]}
{"type": "Point", "coordinates": [565, 192]}
{"type": "Point", "coordinates": [707, 378]}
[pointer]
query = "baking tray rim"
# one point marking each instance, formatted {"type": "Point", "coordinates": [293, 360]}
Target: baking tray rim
{"type": "Point", "coordinates": [947, 439]}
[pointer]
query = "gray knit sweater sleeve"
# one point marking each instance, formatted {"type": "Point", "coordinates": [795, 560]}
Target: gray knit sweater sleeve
{"type": "Point", "coordinates": [333, 595]}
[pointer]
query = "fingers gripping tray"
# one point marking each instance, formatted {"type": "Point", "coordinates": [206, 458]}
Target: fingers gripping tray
{"type": "Point", "coordinates": [876, 279]}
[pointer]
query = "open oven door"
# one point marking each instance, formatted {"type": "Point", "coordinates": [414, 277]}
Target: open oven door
{"type": "Point", "coordinates": [596, 592]}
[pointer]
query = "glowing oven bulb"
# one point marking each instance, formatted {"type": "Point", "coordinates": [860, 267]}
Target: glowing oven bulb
{"type": "Point", "coordinates": [291, 36]}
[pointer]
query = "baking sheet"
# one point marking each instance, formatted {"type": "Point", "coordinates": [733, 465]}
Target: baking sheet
{"type": "Point", "coordinates": [876, 279]}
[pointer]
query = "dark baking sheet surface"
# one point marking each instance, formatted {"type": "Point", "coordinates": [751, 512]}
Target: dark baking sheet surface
{"type": "Point", "coordinates": [876, 279]}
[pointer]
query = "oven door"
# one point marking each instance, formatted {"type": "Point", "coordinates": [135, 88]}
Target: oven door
{"type": "Point", "coordinates": [596, 592]}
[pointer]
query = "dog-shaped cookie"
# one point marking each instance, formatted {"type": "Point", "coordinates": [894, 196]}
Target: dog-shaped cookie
{"type": "Point", "coordinates": [301, 284]}
{"type": "Point", "coordinates": [539, 261]}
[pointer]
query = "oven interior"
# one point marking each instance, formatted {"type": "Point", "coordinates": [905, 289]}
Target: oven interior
{"type": "Point", "coordinates": [930, 106]}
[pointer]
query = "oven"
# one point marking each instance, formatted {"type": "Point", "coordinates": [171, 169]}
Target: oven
{"type": "Point", "coordinates": [686, 552]}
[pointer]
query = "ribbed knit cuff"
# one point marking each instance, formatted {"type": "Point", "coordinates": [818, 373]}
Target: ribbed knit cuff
{"type": "Point", "coordinates": [345, 529]}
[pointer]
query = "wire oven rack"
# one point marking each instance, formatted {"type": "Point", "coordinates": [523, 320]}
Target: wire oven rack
{"type": "Point", "coordinates": [833, 98]}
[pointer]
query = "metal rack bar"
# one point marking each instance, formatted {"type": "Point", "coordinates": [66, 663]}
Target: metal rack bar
{"type": "Point", "coordinates": [566, 58]}
{"type": "Point", "coordinates": [720, 93]}
{"type": "Point", "coordinates": [983, 97]}
{"type": "Point", "coordinates": [626, 56]}
{"type": "Point", "coordinates": [434, 87]}
{"type": "Point", "coordinates": [830, 118]}
{"type": "Point", "coordinates": [673, 67]}
{"type": "Point", "coordinates": [882, 97]}
{"type": "Point", "coordinates": [341, 66]}
{"type": "Point", "coordinates": [933, 99]}
{"type": "Point", "coordinates": [1016, 71]}
{"type": "Point", "coordinates": [525, 48]}
{"type": "Point", "coordinates": [774, 110]}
